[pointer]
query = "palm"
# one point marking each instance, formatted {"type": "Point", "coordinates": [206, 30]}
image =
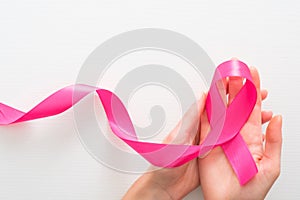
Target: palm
{"type": "Point", "coordinates": [218, 180]}
{"type": "Point", "coordinates": [177, 182]}
{"type": "Point", "coordinates": [185, 178]}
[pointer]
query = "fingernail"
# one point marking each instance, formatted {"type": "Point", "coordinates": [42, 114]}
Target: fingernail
{"type": "Point", "coordinates": [269, 111]}
{"type": "Point", "coordinates": [280, 118]}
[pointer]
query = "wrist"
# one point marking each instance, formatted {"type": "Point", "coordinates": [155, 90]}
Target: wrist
{"type": "Point", "coordinates": [146, 188]}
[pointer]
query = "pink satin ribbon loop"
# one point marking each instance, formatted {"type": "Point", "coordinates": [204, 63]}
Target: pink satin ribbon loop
{"type": "Point", "coordinates": [225, 121]}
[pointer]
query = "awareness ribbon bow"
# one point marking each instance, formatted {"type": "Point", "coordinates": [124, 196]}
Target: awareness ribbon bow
{"type": "Point", "coordinates": [225, 122]}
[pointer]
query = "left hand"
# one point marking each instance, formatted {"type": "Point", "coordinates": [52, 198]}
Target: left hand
{"type": "Point", "coordinates": [177, 182]}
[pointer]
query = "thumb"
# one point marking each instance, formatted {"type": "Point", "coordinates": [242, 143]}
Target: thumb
{"type": "Point", "coordinates": [274, 140]}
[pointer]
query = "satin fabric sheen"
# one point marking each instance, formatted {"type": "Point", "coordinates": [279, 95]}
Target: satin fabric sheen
{"type": "Point", "coordinates": [225, 121]}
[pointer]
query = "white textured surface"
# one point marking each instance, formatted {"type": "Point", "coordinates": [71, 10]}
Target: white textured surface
{"type": "Point", "coordinates": [44, 43]}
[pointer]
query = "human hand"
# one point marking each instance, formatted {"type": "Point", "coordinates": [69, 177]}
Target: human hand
{"type": "Point", "coordinates": [174, 183]}
{"type": "Point", "coordinates": [218, 180]}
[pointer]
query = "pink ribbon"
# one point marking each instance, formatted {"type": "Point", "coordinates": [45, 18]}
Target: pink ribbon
{"type": "Point", "coordinates": [225, 121]}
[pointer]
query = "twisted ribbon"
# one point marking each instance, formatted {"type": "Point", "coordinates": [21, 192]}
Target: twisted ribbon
{"type": "Point", "coordinates": [225, 121]}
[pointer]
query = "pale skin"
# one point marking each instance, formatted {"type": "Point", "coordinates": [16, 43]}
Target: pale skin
{"type": "Point", "coordinates": [213, 172]}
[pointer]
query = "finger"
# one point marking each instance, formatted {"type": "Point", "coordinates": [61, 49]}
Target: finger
{"type": "Point", "coordinates": [234, 86]}
{"type": "Point", "coordinates": [255, 117]}
{"type": "Point", "coordinates": [274, 140]}
{"type": "Point", "coordinates": [201, 110]}
{"type": "Point", "coordinates": [256, 80]}
{"type": "Point", "coordinates": [222, 86]}
{"type": "Point", "coordinates": [266, 116]}
{"type": "Point", "coordinates": [264, 94]}
{"type": "Point", "coordinates": [205, 127]}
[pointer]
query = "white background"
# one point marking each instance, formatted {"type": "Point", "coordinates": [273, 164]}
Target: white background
{"type": "Point", "coordinates": [44, 43]}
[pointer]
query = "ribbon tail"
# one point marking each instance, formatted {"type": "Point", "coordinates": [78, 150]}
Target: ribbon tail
{"type": "Point", "coordinates": [55, 104]}
{"type": "Point", "coordinates": [240, 158]}
{"type": "Point", "coordinates": [9, 114]}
